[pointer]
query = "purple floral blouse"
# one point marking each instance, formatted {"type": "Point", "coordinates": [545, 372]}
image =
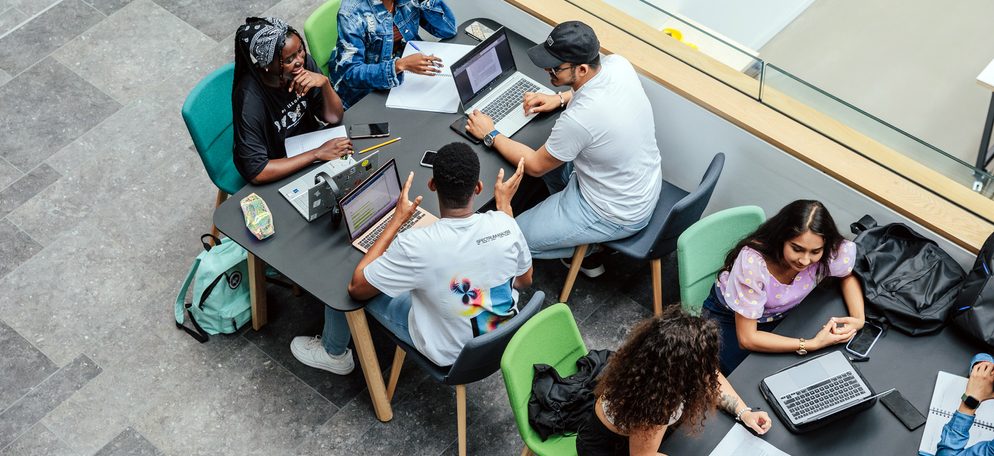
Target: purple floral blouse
{"type": "Point", "coordinates": [753, 292]}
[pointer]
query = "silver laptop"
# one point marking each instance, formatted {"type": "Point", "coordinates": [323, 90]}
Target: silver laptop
{"type": "Point", "coordinates": [312, 197]}
{"type": "Point", "coordinates": [368, 208]}
{"type": "Point", "coordinates": [487, 79]}
{"type": "Point", "coordinates": [817, 388]}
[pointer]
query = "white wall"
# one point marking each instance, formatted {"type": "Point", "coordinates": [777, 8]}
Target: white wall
{"type": "Point", "coordinates": [755, 172]}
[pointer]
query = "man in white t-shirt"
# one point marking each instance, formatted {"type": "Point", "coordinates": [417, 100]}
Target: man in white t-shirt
{"type": "Point", "coordinates": [438, 286]}
{"type": "Point", "coordinates": [601, 162]}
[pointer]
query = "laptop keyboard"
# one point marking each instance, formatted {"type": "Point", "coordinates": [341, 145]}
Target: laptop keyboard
{"type": "Point", "coordinates": [823, 395]}
{"type": "Point", "coordinates": [374, 234]}
{"type": "Point", "coordinates": [510, 99]}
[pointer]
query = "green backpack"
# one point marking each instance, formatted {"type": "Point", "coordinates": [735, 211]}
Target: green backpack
{"type": "Point", "coordinates": [221, 297]}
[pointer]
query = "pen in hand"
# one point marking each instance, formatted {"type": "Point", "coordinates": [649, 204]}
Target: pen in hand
{"type": "Point", "coordinates": [416, 48]}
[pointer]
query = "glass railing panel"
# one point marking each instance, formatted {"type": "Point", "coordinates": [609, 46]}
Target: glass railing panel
{"type": "Point", "coordinates": [684, 39]}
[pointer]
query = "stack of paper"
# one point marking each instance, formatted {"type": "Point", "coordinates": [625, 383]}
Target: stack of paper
{"type": "Point", "coordinates": [740, 442]}
{"type": "Point", "coordinates": [430, 93]}
{"type": "Point", "coordinates": [946, 397]}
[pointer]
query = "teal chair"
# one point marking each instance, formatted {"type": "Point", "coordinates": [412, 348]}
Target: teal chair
{"type": "Point", "coordinates": [552, 338]}
{"type": "Point", "coordinates": [701, 250]}
{"type": "Point", "coordinates": [207, 113]}
{"type": "Point", "coordinates": [321, 33]}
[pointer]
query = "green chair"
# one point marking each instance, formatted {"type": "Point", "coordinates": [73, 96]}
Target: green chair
{"type": "Point", "coordinates": [321, 33]}
{"type": "Point", "coordinates": [207, 113]}
{"type": "Point", "coordinates": [701, 250]}
{"type": "Point", "coordinates": [552, 338]}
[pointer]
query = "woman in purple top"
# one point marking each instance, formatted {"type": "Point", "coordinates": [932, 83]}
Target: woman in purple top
{"type": "Point", "coordinates": [771, 271]}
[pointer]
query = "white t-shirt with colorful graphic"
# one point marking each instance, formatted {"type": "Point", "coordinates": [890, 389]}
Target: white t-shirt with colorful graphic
{"type": "Point", "coordinates": [459, 272]}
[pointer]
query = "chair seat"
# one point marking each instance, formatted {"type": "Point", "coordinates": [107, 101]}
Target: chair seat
{"type": "Point", "coordinates": [639, 246]}
{"type": "Point", "coordinates": [436, 372]}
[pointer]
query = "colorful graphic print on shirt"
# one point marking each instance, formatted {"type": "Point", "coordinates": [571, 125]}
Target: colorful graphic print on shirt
{"type": "Point", "coordinates": [487, 309]}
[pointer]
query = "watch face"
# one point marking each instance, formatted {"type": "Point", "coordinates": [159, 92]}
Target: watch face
{"type": "Point", "coordinates": [488, 140]}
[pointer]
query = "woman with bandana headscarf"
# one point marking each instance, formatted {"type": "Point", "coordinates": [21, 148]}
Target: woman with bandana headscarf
{"type": "Point", "coordinates": [279, 92]}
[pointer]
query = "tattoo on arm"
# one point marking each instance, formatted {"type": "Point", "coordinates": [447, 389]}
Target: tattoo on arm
{"type": "Point", "coordinates": [728, 404]}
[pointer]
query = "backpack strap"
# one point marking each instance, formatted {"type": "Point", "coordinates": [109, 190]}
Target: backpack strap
{"type": "Point", "coordinates": [181, 307]}
{"type": "Point", "coordinates": [864, 223]}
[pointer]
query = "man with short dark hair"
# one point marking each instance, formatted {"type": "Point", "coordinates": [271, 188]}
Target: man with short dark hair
{"type": "Point", "coordinates": [601, 162]}
{"type": "Point", "coordinates": [438, 286]}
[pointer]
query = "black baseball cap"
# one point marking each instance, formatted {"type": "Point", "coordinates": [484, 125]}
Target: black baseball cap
{"type": "Point", "coordinates": [570, 42]}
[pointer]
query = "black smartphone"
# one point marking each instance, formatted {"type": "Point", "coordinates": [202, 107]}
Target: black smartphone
{"type": "Point", "coordinates": [864, 340]}
{"type": "Point", "coordinates": [905, 412]}
{"type": "Point", "coordinates": [372, 130]}
{"type": "Point", "coordinates": [428, 158]}
{"type": "Point", "coordinates": [459, 126]}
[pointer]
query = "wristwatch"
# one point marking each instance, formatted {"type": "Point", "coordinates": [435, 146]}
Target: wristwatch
{"type": "Point", "coordinates": [488, 140]}
{"type": "Point", "coordinates": [970, 402]}
{"type": "Point", "coordinates": [801, 351]}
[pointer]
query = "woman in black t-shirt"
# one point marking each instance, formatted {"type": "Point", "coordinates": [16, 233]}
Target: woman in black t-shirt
{"type": "Point", "coordinates": [666, 371]}
{"type": "Point", "coordinates": [279, 92]}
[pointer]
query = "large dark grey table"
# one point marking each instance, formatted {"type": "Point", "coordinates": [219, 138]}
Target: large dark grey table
{"type": "Point", "coordinates": [897, 361]}
{"type": "Point", "coordinates": [321, 260]}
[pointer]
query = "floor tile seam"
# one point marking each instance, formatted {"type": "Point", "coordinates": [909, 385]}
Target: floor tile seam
{"type": "Point", "coordinates": [87, 81]}
{"type": "Point", "coordinates": [39, 190]}
{"type": "Point", "coordinates": [364, 391]}
{"type": "Point", "coordinates": [58, 437]}
{"type": "Point", "coordinates": [192, 27]}
{"type": "Point", "coordinates": [26, 260]}
{"type": "Point", "coordinates": [8, 163]}
{"type": "Point", "coordinates": [22, 23]}
{"type": "Point", "coordinates": [337, 408]}
{"type": "Point", "coordinates": [51, 54]}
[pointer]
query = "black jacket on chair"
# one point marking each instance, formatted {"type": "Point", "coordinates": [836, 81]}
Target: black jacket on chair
{"type": "Point", "coordinates": [559, 405]}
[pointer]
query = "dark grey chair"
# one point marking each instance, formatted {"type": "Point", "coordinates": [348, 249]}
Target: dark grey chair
{"type": "Point", "coordinates": [675, 212]}
{"type": "Point", "coordinates": [479, 358]}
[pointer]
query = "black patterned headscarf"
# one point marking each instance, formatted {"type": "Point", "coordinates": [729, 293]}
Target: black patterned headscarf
{"type": "Point", "coordinates": [258, 43]}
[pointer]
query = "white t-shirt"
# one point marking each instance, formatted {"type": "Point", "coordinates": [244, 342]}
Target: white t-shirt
{"type": "Point", "coordinates": [459, 272]}
{"type": "Point", "coordinates": [607, 131]}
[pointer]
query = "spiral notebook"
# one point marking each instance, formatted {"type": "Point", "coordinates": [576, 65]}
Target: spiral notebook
{"type": "Point", "coordinates": [945, 400]}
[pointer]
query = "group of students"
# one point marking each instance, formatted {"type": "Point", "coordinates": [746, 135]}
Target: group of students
{"type": "Point", "coordinates": [439, 286]}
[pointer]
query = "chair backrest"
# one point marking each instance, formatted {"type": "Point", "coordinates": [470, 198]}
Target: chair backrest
{"type": "Point", "coordinates": [552, 338]}
{"type": "Point", "coordinates": [207, 113]}
{"type": "Point", "coordinates": [481, 356]}
{"type": "Point", "coordinates": [321, 33]}
{"type": "Point", "coordinates": [702, 248]}
{"type": "Point", "coordinates": [685, 212]}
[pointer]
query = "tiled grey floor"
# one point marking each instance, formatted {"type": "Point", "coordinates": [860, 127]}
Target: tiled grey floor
{"type": "Point", "coordinates": [102, 200]}
{"type": "Point", "coordinates": [31, 132]}
{"type": "Point", "coordinates": [33, 41]}
{"type": "Point", "coordinates": [10, 18]}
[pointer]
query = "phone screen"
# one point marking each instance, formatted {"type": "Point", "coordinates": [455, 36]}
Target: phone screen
{"type": "Point", "coordinates": [372, 130]}
{"type": "Point", "coordinates": [429, 158]}
{"type": "Point", "coordinates": [864, 339]}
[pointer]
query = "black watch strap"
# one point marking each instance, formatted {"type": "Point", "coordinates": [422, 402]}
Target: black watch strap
{"type": "Point", "coordinates": [970, 402]}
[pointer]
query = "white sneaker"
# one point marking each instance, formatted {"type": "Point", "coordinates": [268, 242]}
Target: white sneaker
{"type": "Point", "coordinates": [590, 268]}
{"type": "Point", "coordinates": [311, 352]}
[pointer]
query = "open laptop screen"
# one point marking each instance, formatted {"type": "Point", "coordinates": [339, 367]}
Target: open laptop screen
{"type": "Point", "coordinates": [483, 66]}
{"type": "Point", "coordinates": [369, 202]}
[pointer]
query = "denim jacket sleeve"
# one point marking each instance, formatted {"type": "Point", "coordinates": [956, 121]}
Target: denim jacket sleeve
{"type": "Point", "coordinates": [955, 435]}
{"type": "Point", "coordinates": [437, 18]}
{"type": "Point", "coordinates": [350, 67]}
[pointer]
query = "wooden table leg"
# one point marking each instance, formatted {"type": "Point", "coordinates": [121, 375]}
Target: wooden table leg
{"type": "Point", "coordinates": [369, 364]}
{"type": "Point", "coordinates": [257, 289]}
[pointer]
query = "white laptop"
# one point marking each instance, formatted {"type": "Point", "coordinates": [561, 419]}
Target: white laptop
{"type": "Point", "coordinates": [312, 197]}
{"type": "Point", "coordinates": [368, 208]}
{"type": "Point", "coordinates": [487, 79]}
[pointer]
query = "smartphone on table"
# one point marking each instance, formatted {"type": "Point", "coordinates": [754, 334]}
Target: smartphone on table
{"type": "Point", "coordinates": [371, 130]}
{"type": "Point", "coordinates": [861, 344]}
{"type": "Point", "coordinates": [428, 158]}
{"type": "Point", "coordinates": [479, 31]}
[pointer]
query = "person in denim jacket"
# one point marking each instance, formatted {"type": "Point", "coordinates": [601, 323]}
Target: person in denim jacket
{"type": "Point", "coordinates": [371, 37]}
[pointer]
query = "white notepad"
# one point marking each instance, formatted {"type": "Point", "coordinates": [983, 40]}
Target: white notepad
{"type": "Point", "coordinates": [946, 396]}
{"type": "Point", "coordinates": [296, 145]}
{"type": "Point", "coordinates": [430, 93]}
{"type": "Point", "coordinates": [740, 442]}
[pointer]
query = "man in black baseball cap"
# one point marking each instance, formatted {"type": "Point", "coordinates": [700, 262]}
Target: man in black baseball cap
{"type": "Point", "coordinates": [600, 163]}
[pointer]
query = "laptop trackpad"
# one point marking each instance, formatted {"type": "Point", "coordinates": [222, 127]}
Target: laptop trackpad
{"type": "Point", "coordinates": [808, 373]}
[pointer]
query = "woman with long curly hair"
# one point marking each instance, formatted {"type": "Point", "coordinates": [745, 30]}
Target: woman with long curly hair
{"type": "Point", "coordinates": [771, 271]}
{"type": "Point", "coordinates": [666, 371]}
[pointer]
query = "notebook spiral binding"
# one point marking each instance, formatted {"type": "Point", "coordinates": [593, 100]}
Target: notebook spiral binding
{"type": "Point", "coordinates": [981, 424]}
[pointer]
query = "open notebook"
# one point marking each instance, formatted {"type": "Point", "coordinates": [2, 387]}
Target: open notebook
{"type": "Point", "coordinates": [945, 400]}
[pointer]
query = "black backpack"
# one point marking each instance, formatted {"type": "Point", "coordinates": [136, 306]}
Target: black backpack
{"type": "Point", "coordinates": [974, 308]}
{"type": "Point", "coordinates": [908, 280]}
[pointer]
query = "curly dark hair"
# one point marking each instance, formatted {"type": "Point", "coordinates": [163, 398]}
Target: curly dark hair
{"type": "Point", "coordinates": [456, 171]}
{"type": "Point", "coordinates": [666, 361]}
{"type": "Point", "coordinates": [792, 221]}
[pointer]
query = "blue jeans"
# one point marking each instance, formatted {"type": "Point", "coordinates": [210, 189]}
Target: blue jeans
{"type": "Point", "coordinates": [390, 312]}
{"type": "Point", "coordinates": [731, 354]}
{"type": "Point", "coordinates": [565, 220]}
